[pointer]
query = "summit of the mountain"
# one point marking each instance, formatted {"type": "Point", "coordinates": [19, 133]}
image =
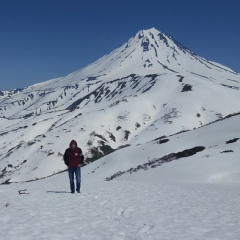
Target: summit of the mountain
{"type": "Point", "coordinates": [149, 88]}
{"type": "Point", "coordinates": [150, 51]}
{"type": "Point", "coordinates": [147, 52]}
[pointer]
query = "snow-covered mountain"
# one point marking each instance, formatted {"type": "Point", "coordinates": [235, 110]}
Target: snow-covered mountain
{"type": "Point", "coordinates": [151, 99]}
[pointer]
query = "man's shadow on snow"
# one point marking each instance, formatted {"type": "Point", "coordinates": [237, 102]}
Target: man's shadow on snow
{"type": "Point", "coordinates": [57, 192]}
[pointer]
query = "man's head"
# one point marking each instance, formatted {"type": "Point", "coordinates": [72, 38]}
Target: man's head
{"type": "Point", "coordinates": [73, 144]}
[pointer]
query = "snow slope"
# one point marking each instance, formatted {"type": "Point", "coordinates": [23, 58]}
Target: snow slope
{"type": "Point", "coordinates": [209, 154]}
{"type": "Point", "coordinates": [151, 86]}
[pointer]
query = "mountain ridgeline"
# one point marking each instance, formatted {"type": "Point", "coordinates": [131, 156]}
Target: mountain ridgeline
{"type": "Point", "coordinates": [148, 88]}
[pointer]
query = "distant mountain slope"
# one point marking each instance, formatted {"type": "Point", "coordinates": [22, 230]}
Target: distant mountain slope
{"type": "Point", "coordinates": [149, 87]}
{"type": "Point", "coordinates": [209, 154]}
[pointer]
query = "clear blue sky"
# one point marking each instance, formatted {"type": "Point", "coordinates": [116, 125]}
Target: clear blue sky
{"type": "Point", "coordinates": [45, 39]}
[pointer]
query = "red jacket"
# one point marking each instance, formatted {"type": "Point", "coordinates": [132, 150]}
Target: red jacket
{"type": "Point", "coordinates": [73, 156]}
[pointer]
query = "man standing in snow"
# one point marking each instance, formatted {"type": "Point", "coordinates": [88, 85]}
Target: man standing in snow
{"type": "Point", "coordinates": [74, 158]}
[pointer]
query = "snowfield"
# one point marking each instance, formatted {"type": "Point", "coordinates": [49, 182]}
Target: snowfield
{"type": "Point", "coordinates": [119, 210]}
{"type": "Point", "coordinates": [157, 121]}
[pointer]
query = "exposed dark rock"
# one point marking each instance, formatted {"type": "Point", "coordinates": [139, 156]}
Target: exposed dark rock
{"type": "Point", "coordinates": [101, 137]}
{"type": "Point", "coordinates": [232, 140]}
{"type": "Point", "coordinates": [145, 45]}
{"type": "Point", "coordinates": [98, 152]}
{"type": "Point", "coordinates": [112, 137]}
{"type": "Point", "coordinates": [28, 115]}
{"type": "Point", "coordinates": [161, 141]}
{"type": "Point", "coordinates": [126, 136]}
{"type": "Point", "coordinates": [137, 125]}
{"type": "Point", "coordinates": [23, 162]}
{"type": "Point", "coordinates": [228, 86]}
{"type": "Point", "coordinates": [118, 128]}
{"type": "Point", "coordinates": [180, 78]}
{"type": "Point", "coordinates": [227, 151]}
{"type": "Point", "coordinates": [159, 161]}
{"type": "Point", "coordinates": [123, 146]}
{"type": "Point", "coordinates": [6, 182]}
{"type": "Point", "coordinates": [50, 153]}
{"type": "Point", "coordinates": [31, 143]}
{"type": "Point", "coordinates": [23, 191]}
{"type": "Point", "coordinates": [167, 118]}
{"type": "Point", "coordinates": [186, 88]}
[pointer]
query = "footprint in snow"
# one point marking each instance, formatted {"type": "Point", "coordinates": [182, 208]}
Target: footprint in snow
{"type": "Point", "coordinates": [120, 212]}
{"type": "Point", "coordinates": [103, 202]}
{"type": "Point", "coordinates": [145, 229]}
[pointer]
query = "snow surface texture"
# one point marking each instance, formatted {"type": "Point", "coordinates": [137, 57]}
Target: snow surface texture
{"type": "Point", "coordinates": [119, 210]}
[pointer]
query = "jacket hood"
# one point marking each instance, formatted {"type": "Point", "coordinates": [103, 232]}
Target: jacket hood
{"type": "Point", "coordinates": [73, 141]}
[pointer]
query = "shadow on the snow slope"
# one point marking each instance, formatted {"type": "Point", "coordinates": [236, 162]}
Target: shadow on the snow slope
{"type": "Point", "coordinates": [57, 192]}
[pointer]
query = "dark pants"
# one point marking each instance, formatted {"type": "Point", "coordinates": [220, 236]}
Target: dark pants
{"type": "Point", "coordinates": [77, 172]}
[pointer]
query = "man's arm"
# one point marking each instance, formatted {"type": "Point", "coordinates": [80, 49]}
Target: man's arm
{"type": "Point", "coordinates": [65, 158]}
{"type": "Point", "coordinates": [81, 158]}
